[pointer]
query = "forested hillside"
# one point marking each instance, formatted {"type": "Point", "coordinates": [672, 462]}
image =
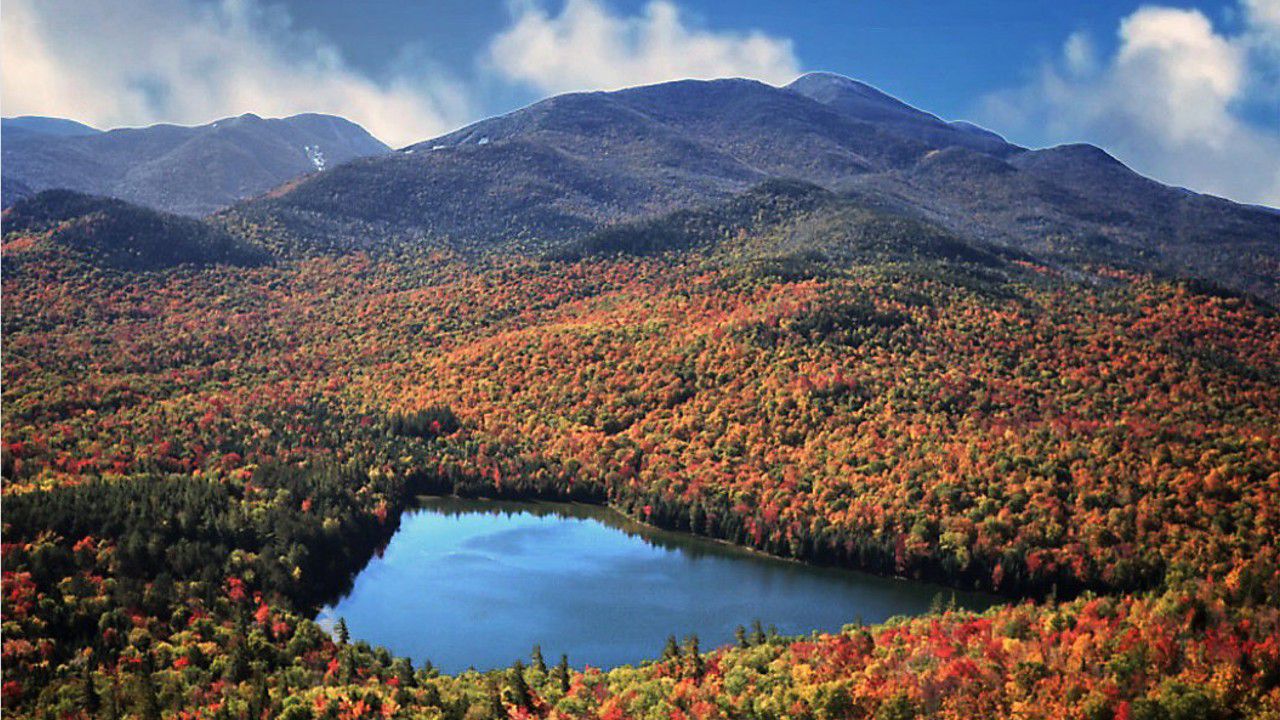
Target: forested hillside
{"type": "Point", "coordinates": [114, 233]}
{"type": "Point", "coordinates": [196, 457]}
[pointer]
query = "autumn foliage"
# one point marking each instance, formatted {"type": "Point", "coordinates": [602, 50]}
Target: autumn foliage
{"type": "Point", "coordinates": [191, 455]}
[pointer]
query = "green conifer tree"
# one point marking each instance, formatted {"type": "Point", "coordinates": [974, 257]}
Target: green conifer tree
{"type": "Point", "coordinates": [562, 673]}
{"type": "Point", "coordinates": [539, 663]}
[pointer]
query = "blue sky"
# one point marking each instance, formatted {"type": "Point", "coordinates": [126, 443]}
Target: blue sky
{"type": "Point", "coordinates": [942, 56]}
{"type": "Point", "coordinates": [1186, 92]}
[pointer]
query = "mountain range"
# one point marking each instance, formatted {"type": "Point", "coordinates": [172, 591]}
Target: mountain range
{"type": "Point", "coordinates": [536, 177]}
{"type": "Point", "coordinates": [543, 178]}
{"type": "Point", "coordinates": [187, 170]}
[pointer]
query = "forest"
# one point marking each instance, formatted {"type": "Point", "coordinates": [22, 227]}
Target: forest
{"type": "Point", "coordinates": [196, 457]}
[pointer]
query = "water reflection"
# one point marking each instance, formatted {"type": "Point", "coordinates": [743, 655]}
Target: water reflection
{"type": "Point", "coordinates": [479, 582]}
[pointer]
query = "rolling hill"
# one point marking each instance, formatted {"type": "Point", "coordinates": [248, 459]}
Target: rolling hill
{"type": "Point", "coordinates": [116, 234]}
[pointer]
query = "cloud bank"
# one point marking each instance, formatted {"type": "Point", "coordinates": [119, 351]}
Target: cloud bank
{"type": "Point", "coordinates": [138, 62]}
{"type": "Point", "coordinates": [586, 47]}
{"type": "Point", "coordinates": [1167, 102]}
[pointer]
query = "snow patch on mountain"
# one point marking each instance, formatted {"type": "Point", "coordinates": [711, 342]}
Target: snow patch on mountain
{"type": "Point", "coordinates": [315, 155]}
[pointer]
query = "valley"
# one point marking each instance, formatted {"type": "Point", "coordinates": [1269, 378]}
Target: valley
{"type": "Point", "coordinates": [812, 343]}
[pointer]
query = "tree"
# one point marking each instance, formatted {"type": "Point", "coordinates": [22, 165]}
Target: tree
{"type": "Point", "coordinates": [694, 655]}
{"type": "Point", "coordinates": [562, 673]}
{"type": "Point", "coordinates": [89, 699]}
{"type": "Point", "coordinates": [344, 635]}
{"type": "Point", "coordinates": [520, 696]}
{"type": "Point", "coordinates": [404, 672]}
{"type": "Point", "coordinates": [539, 663]}
{"type": "Point", "coordinates": [260, 701]}
{"type": "Point", "coordinates": [148, 700]}
{"type": "Point", "coordinates": [672, 649]}
{"type": "Point", "coordinates": [113, 699]}
{"type": "Point", "coordinates": [495, 709]}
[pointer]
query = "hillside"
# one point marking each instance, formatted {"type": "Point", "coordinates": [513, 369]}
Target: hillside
{"type": "Point", "coordinates": [539, 176]}
{"type": "Point", "coordinates": [185, 170]}
{"type": "Point", "coordinates": [116, 234]}
{"type": "Point", "coordinates": [578, 161]}
{"type": "Point", "coordinates": [812, 322]}
{"type": "Point", "coordinates": [195, 458]}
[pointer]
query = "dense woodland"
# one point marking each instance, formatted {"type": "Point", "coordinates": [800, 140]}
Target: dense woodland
{"type": "Point", "coordinates": [196, 457]}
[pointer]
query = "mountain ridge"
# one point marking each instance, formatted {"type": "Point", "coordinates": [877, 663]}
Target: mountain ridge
{"type": "Point", "coordinates": [190, 170]}
{"type": "Point", "coordinates": [534, 178]}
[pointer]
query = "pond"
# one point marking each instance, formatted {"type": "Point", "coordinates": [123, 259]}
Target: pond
{"type": "Point", "coordinates": [477, 583]}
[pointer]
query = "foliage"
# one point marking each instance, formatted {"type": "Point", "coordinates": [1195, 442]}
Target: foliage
{"type": "Point", "coordinates": [194, 458]}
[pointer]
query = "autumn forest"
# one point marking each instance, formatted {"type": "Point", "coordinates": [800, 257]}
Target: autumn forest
{"type": "Point", "coordinates": [195, 456]}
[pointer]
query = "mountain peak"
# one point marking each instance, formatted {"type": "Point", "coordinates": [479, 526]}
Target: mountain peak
{"type": "Point", "coordinates": [847, 94]}
{"type": "Point", "coordinates": [860, 101]}
{"type": "Point", "coordinates": [1085, 151]}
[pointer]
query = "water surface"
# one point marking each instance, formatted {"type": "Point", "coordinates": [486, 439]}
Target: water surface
{"type": "Point", "coordinates": [477, 583]}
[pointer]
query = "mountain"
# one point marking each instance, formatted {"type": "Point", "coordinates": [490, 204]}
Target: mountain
{"type": "Point", "coordinates": [15, 128]}
{"type": "Point", "coordinates": [541, 176]}
{"type": "Point", "coordinates": [117, 234]}
{"type": "Point", "coordinates": [187, 170]}
{"type": "Point", "coordinates": [1077, 205]}
{"type": "Point", "coordinates": [574, 162]}
{"type": "Point", "coordinates": [859, 100]}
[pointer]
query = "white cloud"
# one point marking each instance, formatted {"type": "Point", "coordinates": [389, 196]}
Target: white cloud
{"type": "Point", "coordinates": [1079, 53]}
{"type": "Point", "coordinates": [1168, 102]}
{"type": "Point", "coordinates": [587, 47]}
{"type": "Point", "coordinates": [1263, 13]}
{"type": "Point", "coordinates": [137, 62]}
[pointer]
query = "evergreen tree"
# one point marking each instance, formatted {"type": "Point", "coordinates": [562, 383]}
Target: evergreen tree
{"type": "Point", "coordinates": [519, 688]}
{"type": "Point", "coordinates": [344, 635]}
{"type": "Point", "coordinates": [238, 663]}
{"type": "Point", "coordinates": [562, 673]}
{"type": "Point", "coordinates": [740, 635]}
{"type": "Point", "coordinates": [672, 649]}
{"type": "Point", "coordinates": [693, 655]}
{"type": "Point", "coordinates": [404, 672]}
{"type": "Point", "coordinates": [539, 663]}
{"type": "Point", "coordinates": [89, 699]}
{"type": "Point", "coordinates": [148, 699]}
{"type": "Point", "coordinates": [346, 665]}
{"type": "Point", "coordinates": [260, 700]}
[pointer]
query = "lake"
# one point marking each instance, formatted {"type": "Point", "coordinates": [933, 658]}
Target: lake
{"type": "Point", "coordinates": [476, 583]}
